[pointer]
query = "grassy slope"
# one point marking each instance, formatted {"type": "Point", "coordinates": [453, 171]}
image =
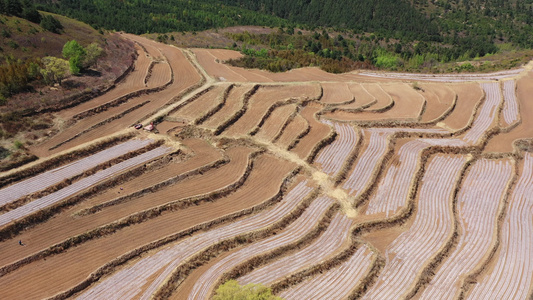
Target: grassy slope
{"type": "Point", "coordinates": [34, 41]}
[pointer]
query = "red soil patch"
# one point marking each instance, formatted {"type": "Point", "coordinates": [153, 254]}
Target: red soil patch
{"type": "Point", "coordinates": [503, 142]}
{"type": "Point", "coordinates": [383, 99]}
{"type": "Point", "coordinates": [233, 104]}
{"type": "Point", "coordinates": [275, 122]}
{"type": "Point", "coordinates": [468, 96]}
{"type": "Point", "coordinates": [439, 99]}
{"type": "Point", "coordinates": [319, 131]}
{"type": "Point", "coordinates": [336, 93]}
{"type": "Point", "coordinates": [200, 106]}
{"type": "Point", "coordinates": [161, 74]}
{"type": "Point", "coordinates": [296, 127]}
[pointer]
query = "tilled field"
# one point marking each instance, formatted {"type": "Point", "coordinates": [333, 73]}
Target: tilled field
{"type": "Point", "coordinates": [320, 186]}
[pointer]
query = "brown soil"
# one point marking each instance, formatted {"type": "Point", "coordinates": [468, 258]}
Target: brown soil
{"type": "Point", "coordinates": [362, 95]}
{"type": "Point", "coordinates": [503, 142]}
{"type": "Point", "coordinates": [275, 122]}
{"type": "Point", "coordinates": [319, 131]}
{"type": "Point", "coordinates": [215, 68]}
{"type": "Point", "coordinates": [201, 105]}
{"type": "Point", "coordinates": [407, 105]}
{"type": "Point", "coordinates": [382, 97]}
{"type": "Point", "coordinates": [160, 75]}
{"type": "Point", "coordinates": [233, 104]}
{"type": "Point", "coordinates": [468, 96]}
{"type": "Point", "coordinates": [297, 126]}
{"type": "Point", "coordinates": [439, 99]}
{"type": "Point", "coordinates": [336, 93]}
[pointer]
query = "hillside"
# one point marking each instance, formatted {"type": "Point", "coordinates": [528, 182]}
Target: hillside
{"type": "Point", "coordinates": [385, 34]}
{"type": "Point", "coordinates": [361, 185]}
{"type": "Point", "coordinates": [26, 98]}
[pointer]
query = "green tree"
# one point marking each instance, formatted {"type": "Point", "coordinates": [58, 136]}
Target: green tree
{"type": "Point", "coordinates": [29, 12]}
{"type": "Point", "coordinates": [93, 53]}
{"type": "Point", "coordinates": [54, 70]}
{"type": "Point", "coordinates": [13, 7]}
{"type": "Point", "coordinates": [51, 24]}
{"type": "Point", "coordinates": [231, 290]}
{"type": "Point", "coordinates": [76, 54]}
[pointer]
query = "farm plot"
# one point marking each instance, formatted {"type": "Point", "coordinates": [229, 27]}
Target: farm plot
{"type": "Point", "coordinates": [79, 186]}
{"type": "Point", "coordinates": [363, 99]}
{"type": "Point", "coordinates": [511, 275]}
{"type": "Point", "coordinates": [70, 223]}
{"type": "Point", "coordinates": [296, 129]}
{"type": "Point", "coordinates": [440, 101]}
{"type": "Point", "coordinates": [375, 146]}
{"type": "Point", "coordinates": [134, 81]}
{"type": "Point", "coordinates": [275, 122]}
{"type": "Point", "coordinates": [404, 104]}
{"type": "Point", "coordinates": [432, 226]}
{"type": "Point", "coordinates": [469, 95]}
{"type": "Point", "coordinates": [332, 158]}
{"type": "Point", "coordinates": [446, 77]}
{"type": "Point", "coordinates": [434, 181]}
{"type": "Point", "coordinates": [318, 134]}
{"type": "Point", "coordinates": [336, 93]}
{"type": "Point", "coordinates": [504, 141]}
{"type": "Point", "coordinates": [151, 271]}
{"type": "Point", "coordinates": [234, 103]}
{"type": "Point", "coordinates": [394, 188]}
{"type": "Point", "coordinates": [383, 99]}
{"type": "Point", "coordinates": [201, 105]}
{"type": "Point", "coordinates": [77, 221]}
{"type": "Point", "coordinates": [49, 178]}
{"type": "Point", "coordinates": [478, 204]}
{"type": "Point", "coordinates": [335, 283]}
{"type": "Point", "coordinates": [76, 263]}
{"type": "Point", "coordinates": [297, 230]}
{"type": "Point", "coordinates": [487, 114]}
{"type": "Point", "coordinates": [215, 68]}
{"type": "Point", "coordinates": [510, 103]}
{"type": "Point", "coordinates": [159, 75]}
{"type": "Point", "coordinates": [264, 99]}
{"type": "Point", "coordinates": [326, 245]}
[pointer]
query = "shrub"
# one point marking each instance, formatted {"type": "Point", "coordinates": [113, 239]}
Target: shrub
{"type": "Point", "coordinates": [51, 24]}
{"type": "Point", "coordinates": [231, 290]}
{"type": "Point", "coordinates": [18, 144]}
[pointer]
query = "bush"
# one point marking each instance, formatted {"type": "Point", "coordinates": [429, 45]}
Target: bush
{"type": "Point", "coordinates": [231, 290]}
{"type": "Point", "coordinates": [18, 144]}
{"type": "Point", "coordinates": [32, 15]}
{"type": "Point", "coordinates": [51, 24]}
{"type": "Point", "coordinates": [54, 70]}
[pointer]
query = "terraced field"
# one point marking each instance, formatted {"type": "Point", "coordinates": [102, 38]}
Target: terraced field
{"type": "Point", "coordinates": [361, 185]}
